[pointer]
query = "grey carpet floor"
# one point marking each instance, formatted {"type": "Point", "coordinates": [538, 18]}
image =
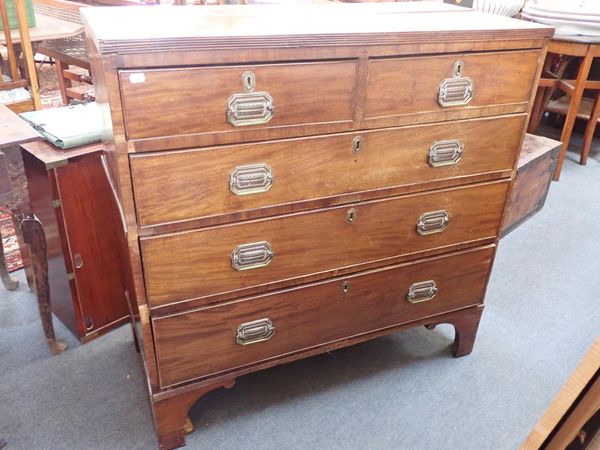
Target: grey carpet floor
{"type": "Point", "coordinates": [399, 392]}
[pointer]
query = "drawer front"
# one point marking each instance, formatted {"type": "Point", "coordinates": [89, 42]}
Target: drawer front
{"type": "Point", "coordinates": [232, 335]}
{"type": "Point", "coordinates": [167, 102]}
{"type": "Point", "coordinates": [262, 176]}
{"type": "Point", "coordinates": [231, 258]}
{"type": "Point", "coordinates": [436, 87]}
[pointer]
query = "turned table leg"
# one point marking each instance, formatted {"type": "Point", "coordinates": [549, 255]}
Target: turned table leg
{"type": "Point", "coordinates": [9, 282]}
{"type": "Point", "coordinates": [171, 415]}
{"type": "Point", "coordinates": [465, 325]}
{"type": "Point", "coordinates": [33, 234]}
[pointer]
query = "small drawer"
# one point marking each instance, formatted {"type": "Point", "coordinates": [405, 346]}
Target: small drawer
{"type": "Point", "coordinates": [228, 336]}
{"type": "Point", "coordinates": [217, 100]}
{"type": "Point", "coordinates": [233, 258]}
{"type": "Point", "coordinates": [265, 178]}
{"type": "Point", "coordinates": [432, 88]}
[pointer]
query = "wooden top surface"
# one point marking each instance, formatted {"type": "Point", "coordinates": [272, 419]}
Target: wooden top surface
{"type": "Point", "coordinates": [46, 28]}
{"type": "Point", "coordinates": [14, 130]}
{"type": "Point", "coordinates": [534, 146]}
{"type": "Point", "coordinates": [53, 156]}
{"type": "Point", "coordinates": [163, 28]}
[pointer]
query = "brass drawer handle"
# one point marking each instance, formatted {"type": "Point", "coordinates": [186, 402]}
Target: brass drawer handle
{"type": "Point", "coordinates": [458, 90]}
{"type": "Point", "coordinates": [249, 107]}
{"type": "Point", "coordinates": [254, 332]}
{"type": "Point", "coordinates": [251, 256]}
{"type": "Point", "coordinates": [445, 153]}
{"type": "Point", "coordinates": [251, 179]}
{"type": "Point", "coordinates": [421, 292]}
{"type": "Point", "coordinates": [432, 222]}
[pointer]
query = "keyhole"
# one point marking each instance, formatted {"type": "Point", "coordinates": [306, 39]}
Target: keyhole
{"type": "Point", "coordinates": [458, 68]}
{"type": "Point", "coordinates": [249, 81]}
{"type": "Point", "coordinates": [357, 144]}
{"type": "Point", "coordinates": [351, 215]}
{"type": "Point", "coordinates": [345, 287]}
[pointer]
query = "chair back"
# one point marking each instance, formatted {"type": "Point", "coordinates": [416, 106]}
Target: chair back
{"type": "Point", "coordinates": [13, 80]}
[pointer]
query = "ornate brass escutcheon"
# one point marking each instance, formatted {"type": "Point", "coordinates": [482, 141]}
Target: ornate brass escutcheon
{"type": "Point", "coordinates": [255, 331]}
{"type": "Point", "coordinates": [251, 256]}
{"type": "Point", "coordinates": [251, 179]}
{"type": "Point", "coordinates": [421, 291]}
{"type": "Point", "coordinates": [458, 90]}
{"type": "Point", "coordinates": [432, 222]}
{"type": "Point", "coordinates": [445, 153]}
{"type": "Point", "coordinates": [249, 107]}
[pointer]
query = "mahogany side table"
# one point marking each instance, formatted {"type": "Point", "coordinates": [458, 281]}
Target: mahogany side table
{"type": "Point", "coordinates": [71, 195]}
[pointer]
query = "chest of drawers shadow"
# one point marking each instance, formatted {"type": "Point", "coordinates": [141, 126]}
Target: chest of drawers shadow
{"type": "Point", "coordinates": [298, 179]}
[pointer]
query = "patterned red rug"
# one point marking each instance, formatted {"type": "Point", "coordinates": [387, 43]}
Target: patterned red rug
{"type": "Point", "coordinates": [9, 242]}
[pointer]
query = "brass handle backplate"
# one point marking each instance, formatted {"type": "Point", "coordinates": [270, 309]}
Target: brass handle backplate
{"type": "Point", "coordinates": [445, 153]}
{"type": "Point", "coordinates": [249, 107]}
{"type": "Point", "coordinates": [251, 179]}
{"type": "Point", "coordinates": [421, 291]}
{"type": "Point", "coordinates": [254, 332]}
{"type": "Point", "coordinates": [458, 90]}
{"type": "Point", "coordinates": [251, 256]}
{"type": "Point", "coordinates": [432, 222]}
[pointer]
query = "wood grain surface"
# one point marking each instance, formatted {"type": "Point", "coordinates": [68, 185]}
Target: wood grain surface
{"type": "Point", "coordinates": [202, 342]}
{"type": "Point", "coordinates": [404, 86]}
{"type": "Point", "coordinates": [197, 181]}
{"type": "Point", "coordinates": [130, 30]}
{"type": "Point", "coordinates": [196, 264]}
{"type": "Point", "coordinates": [184, 101]}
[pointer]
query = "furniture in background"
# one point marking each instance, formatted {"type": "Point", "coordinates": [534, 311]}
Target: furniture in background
{"type": "Point", "coordinates": [572, 421]}
{"type": "Point", "coordinates": [13, 132]}
{"type": "Point", "coordinates": [28, 228]}
{"type": "Point", "coordinates": [19, 88]}
{"type": "Point", "coordinates": [71, 196]}
{"type": "Point", "coordinates": [67, 51]}
{"type": "Point", "coordinates": [537, 162]}
{"type": "Point", "coordinates": [269, 213]}
{"type": "Point", "coordinates": [560, 53]}
{"type": "Point", "coordinates": [46, 27]}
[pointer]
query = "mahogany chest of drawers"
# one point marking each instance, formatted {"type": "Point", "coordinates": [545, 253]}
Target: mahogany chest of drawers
{"type": "Point", "coordinates": [298, 179]}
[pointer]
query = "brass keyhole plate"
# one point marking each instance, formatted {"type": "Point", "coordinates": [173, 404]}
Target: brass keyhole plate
{"type": "Point", "coordinates": [351, 215]}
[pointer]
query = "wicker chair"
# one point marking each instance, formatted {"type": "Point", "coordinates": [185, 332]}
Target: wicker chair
{"type": "Point", "coordinates": [66, 52]}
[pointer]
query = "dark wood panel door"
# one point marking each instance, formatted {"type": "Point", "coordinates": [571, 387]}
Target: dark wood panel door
{"type": "Point", "coordinates": [91, 223]}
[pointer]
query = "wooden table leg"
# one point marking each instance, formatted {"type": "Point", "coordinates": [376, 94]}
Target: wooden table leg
{"type": "Point", "coordinates": [9, 282]}
{"type": "Point", "coordinates": [33, 233]}
{"type": "Point", "coordinates": [63, 83]}
{"type": "Point", "coordinates": [576, 95]}
{"type": "Point", "coordinates": [589, 130]}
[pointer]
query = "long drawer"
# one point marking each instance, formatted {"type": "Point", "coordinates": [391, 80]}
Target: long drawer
{"type": "Point", "coordinates": [257, 178]}
{"type": "Point", "coordinates": [221, 99]}
{"type": "Point", "coordinates": [236, 334]}
{"type": "Point", "coordinates": [231, 258]}
{"type": "Point", "coordinates": [431, 88]}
